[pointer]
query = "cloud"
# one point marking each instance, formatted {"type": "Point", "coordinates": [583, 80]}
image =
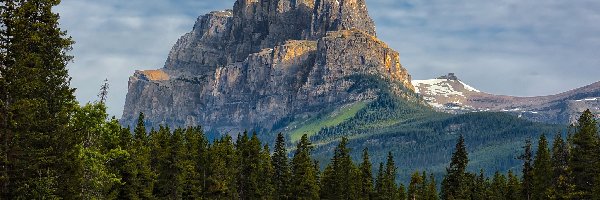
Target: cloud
{"type": "Point", "coordinates": [513, 47]}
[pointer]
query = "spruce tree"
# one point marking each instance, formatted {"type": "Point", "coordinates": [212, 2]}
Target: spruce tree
{"type": "Point", "coordinates": [454, 185]}
{"type": "Point", "coordinates": [339, 181]}
{"type": "Point", "coordinates": [415, 188]}
{"type": "Point", "coordinates": [513, 187]}
{"type": "Point", "coordinates": [195, 163]}
{"type": "Point", "coordinates": [40, 158]}
{"type": "Point", "coordinates": [498, 187]}
{"type": "Point", "coordinates": [527, 179]}
{"type": "Point", "coordinates": [282, 173]}
{"type": "Point", "coordinates": [480, 187]}
{"type": "Point", "coordinates": [221, 179]}
{"type": "Point", "coordinates": [431, 191]}
{"type": "Point", "coordinates": [584, 156]}
{"type": "Point", "coordinates": [562, 186]}
{"type": "Point", "coordinates": [388, 182]}
{"type": "Point", "coordinates": [365, 181]}
{"type": "Point", "coordinates": [379, 180]}
{"type": "Point", "coordinates": [402, 192]}
{"type": "Point", "coordinates": [542, 171]}
{"type": "Point", "coordinates": [145, 178]}
{"type": "Point", "coordinates": [304, 184]}
{"type": "Point", "coordinates": [266, 189]}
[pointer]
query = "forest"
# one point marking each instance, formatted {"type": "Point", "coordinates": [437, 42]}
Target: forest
{"type": "Point", "coordinates": [51, 147]}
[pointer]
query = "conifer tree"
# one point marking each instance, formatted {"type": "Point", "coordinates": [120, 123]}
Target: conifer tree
{"type": "Point", "coordinates": [195, 163]}
{"type": "Point", "coordinates": [145, 178]}
{"type": "Point", "coordinates": [282, 173]}
{"type": "Point", "coordinates": [40, 154]}
{"type": "Point", "coordinates": [527, 179]}
{"type": "Point", "coordinates": [513, 187]}
{"type": "Point", "coordinates": [542, 171]}
{"type": "Point", "coordinates": [388, 187]}
{"type": "Point", "coordinates": [454, 185]}
{"type": "Point", "coordinates": [562, 186]}
{"type": "Point", "coordinates": [221, 181]}
{"type": "Point", "coordinates": [480, 187]}
{"type": "Point", "coordinates": [365, 182]}
{"type": "Point", "coordinates": [415, 189]}
{"type": "Point", "coordinates": [498, 187]}
{"type": "Point", "coordinates": [266, 171]}
{"type": "Point", "coordinates": [304, 184]}
{"type": "Point", "coordinates": [584, 156]}
{"type": "Point", "coordinates": [339, 181]}
{"type": "Point", "coordinates": [379, 180]}
{"type": "Point", "coordinates": [402, 195]}
{"type": "Point", "coordinates": [431, 191]}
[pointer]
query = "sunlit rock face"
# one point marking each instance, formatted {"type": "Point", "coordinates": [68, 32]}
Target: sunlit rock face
{"type": "Point", "coordinates": [265, 61]}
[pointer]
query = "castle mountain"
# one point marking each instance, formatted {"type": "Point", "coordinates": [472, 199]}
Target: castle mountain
{"type": "Point", "coordinates": [266, 62]}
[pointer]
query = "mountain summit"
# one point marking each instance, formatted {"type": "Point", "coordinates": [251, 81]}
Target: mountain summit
{"type": "Point", "coordinates": [267, 62]}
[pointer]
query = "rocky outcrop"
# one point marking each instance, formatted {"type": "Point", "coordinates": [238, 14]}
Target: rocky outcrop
{"type": "Point", "coordinates": [265, 62]}
{"type": "Point", "coordinates": [449, 94]}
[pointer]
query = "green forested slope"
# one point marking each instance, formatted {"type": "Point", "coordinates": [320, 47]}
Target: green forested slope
{"type": "Point", "coordinates": [423, 139]}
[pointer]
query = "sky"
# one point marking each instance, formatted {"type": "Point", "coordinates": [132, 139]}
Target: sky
{"type": "Point", "coordinates": [509, 47]}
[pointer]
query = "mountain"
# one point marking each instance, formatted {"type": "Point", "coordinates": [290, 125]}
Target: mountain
{"type": "Point", "coordinates": [449, 94]}
{"type": "Point", "coordinates": [315, 67]}
{"type": "Point", "coordinates": [265, 62]}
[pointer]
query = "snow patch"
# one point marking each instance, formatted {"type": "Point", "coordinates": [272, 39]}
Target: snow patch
{"type": "Point", "coordinates": [589, 99]}
{"type": "Point", "coordinates": [437, 87]}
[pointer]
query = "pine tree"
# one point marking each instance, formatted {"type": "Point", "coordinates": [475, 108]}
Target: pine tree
{"type": "Point", "coordinates": [304, 184]}
{"type": "Point", "coordinates": [221, 181]}
{"type": "Point", "coordinates": [161, 160]}
{"type": "Point", "coordinates": [527, 179]}
{"type": "Point", "coordinates": [338, 181]}
{"type": "Point", "coordinates": [266, 171]}
{"type": "Point", "coordinates": [402, 195]}
{"type": "Point", "coordinates": [36, 102]}
{"type": "Point", "coordinates": [388, 182]}
{"type": "Point", "coordinates": [542, 171]}
{"type": "Point", "coordinates": [562, 186]}
{"type": "Point", "coordinates": [282, 173]}
{"type": "Point", "coordinates": [480, 187]}
{"type": "Point", "coordinates": [145, 177]}
{"type": "Point", "coordinates": [584, 156]}
{"type": "Point", "coordinates": [513, 187]}
{"type": "Point", "coordinates": [431, 190]}
{"type": "Point", "coordinates": [195, 165]}
{"type": "Point", "coordinates": [454, 185]}
{"type": "Point", "coordinates": [498, 187]}
{"type": "Point", "coordinates": [365, 175]}
{"type": "Point", "coordinates": [415, 188]}
{"type": "Point", "coordinates": [379, 182]}
{"type": "Point", "coordinates": [249, 154]}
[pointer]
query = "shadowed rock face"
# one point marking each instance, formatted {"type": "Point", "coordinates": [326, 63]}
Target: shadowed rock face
{"type": "Point", "coordinates": [264, 61]}
{"type": "Point", "coordinates": [449, 94]}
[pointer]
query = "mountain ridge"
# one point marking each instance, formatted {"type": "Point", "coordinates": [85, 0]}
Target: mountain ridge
{"type": "Point", "coordinates": [561, 108]}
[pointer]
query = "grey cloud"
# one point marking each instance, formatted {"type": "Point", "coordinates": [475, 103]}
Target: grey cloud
{"type": "Point", "coordinates": [513, 47]}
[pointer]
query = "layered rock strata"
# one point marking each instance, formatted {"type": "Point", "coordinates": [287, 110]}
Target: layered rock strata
{"type": "Point", "coordinates": [263, 62]}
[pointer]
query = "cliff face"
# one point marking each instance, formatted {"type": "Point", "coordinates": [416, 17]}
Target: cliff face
{"type": "Point", "coordinates": [263, 62]}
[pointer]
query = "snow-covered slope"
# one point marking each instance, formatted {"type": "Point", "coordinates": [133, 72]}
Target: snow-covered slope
{"type": "Point", "coordinates": [450, 94]}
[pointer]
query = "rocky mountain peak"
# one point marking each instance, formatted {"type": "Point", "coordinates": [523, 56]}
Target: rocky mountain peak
{"type": "Point", "coordinates": [265, 62]}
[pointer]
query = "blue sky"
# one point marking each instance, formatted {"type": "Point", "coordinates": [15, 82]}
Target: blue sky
{"type": "Point", "coordinates": [512, 47]}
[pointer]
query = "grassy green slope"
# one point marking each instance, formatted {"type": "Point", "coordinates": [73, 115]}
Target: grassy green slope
{"type": "Point", "coordinates": [335, 118]}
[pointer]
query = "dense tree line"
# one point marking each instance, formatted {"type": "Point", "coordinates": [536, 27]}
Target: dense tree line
{"type": "Point", "coordinates": [52, 148]}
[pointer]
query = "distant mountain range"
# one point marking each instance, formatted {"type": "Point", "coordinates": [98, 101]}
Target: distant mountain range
{"type": "Point", "coordinates": [450, 94]}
